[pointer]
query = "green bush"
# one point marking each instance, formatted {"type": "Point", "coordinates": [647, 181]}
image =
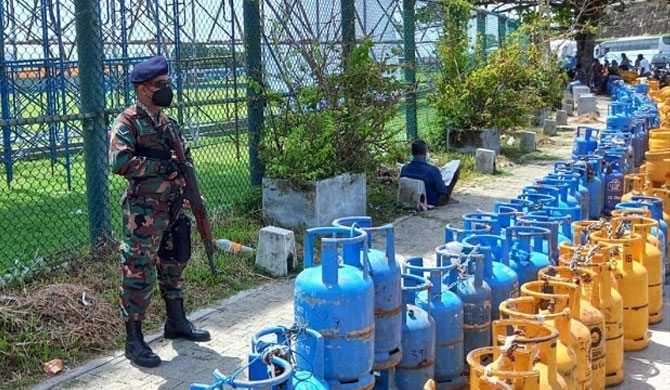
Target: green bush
{"type": "Point", "coordinates": [499, 91]}
{"type": "Point", "coordinates": [335, 123]}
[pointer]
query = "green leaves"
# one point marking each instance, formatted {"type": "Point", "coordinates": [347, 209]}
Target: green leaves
{"type": "Point", "coordinates": [335, 124]}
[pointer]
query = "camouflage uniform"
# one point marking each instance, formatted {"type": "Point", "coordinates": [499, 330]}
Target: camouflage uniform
{"type": "Point", "coordinates": [145, 205]}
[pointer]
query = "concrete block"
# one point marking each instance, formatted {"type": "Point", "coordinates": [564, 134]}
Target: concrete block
{"type": "Point", "coordinates": [411, 192]}
{"type": "Point", "coordinates": [314, 203]}
{"type": "Point", "coordinates": [561, 117]}
{"type": "Point", "coordinates": [567, 94]}
{"type": "Point", "coordinates": [568, 108]}
{"type": "Point", "coordinates": [528, 141]}
{"type": "Point", "coordinates": [539, 115]}
{"type": "Point", "coordinates": [570, 102]}
{"type": "Point", "coordinates": [580, 90]}
{"type": "Point", "coordinates": [586, 103]}
{"type": "Point", "coordinates": [549, 127]}
{"type": "Point", "coordinates": [485, 161]}
{"type": "Point", "coordinates": [276, 250]}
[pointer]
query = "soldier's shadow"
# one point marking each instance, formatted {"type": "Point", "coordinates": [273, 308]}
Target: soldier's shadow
{"type": "Point", "coordinates": [193, 363]}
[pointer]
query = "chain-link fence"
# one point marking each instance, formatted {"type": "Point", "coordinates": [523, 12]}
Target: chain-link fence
{"type": "Point", "coordinates": [64, 78]}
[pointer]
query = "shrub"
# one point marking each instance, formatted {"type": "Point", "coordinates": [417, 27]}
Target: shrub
{"type": "Point", "coordinates": [334, 122]}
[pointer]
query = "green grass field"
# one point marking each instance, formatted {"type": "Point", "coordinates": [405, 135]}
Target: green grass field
{"type": "Point", "coordinates": [42, 217]}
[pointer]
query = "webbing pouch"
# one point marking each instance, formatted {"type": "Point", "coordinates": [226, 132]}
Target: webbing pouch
{"type": "Point", "coordinates": [176, 242]}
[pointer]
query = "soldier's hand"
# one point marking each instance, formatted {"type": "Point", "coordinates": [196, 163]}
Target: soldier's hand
{"type": "Point", "coordinates": [187, 203]}
{"type": "Point", "coordinates": [169, 168]}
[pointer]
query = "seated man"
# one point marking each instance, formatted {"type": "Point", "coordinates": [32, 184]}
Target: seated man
{"type": "Point", "coordinates": [437, 192]}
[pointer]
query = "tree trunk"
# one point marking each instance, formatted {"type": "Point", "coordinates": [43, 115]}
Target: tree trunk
{"type": "Point", "coordinates": [585, 20]}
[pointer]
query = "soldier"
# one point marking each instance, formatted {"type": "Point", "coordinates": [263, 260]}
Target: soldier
{"type": "Point", "coordinates": [140, 151]}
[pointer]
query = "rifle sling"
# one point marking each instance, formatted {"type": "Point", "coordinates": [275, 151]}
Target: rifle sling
{"type": "Point", "coordinates": [154, 154]}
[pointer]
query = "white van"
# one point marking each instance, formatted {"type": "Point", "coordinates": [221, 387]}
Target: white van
{"type": "Point", "coordinates": [648, 46]}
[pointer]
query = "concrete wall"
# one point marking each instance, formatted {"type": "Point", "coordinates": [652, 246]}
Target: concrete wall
{"type": "Point", "coordinates": [643, 18]}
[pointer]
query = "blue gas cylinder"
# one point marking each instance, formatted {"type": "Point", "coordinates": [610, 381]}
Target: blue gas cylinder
{"type": "Point", "coordinates": [307, 356]}
{"type": "Point", "coordinates": [596, 186]}
{"type": "Point", "coordinates": [538, 200]}
{"type": "Point", "coordinates": [281, 381]}
{"type": "Point", "coordinates": [468, 283]}
{"type": "Point", "coordinates": [497, 274]}
{"type": "Point", "coordinates": [337, 300]}
{"type": "Point", "coordinates": [480, 218]}
{"type": "Point", "coordinates": [613, 182]}
{"type": "Point", "coordinates": [513, 205]}
{"type": "Point", "coordinates": [655, 205]}
{"type": "Point", "coordinates": [550, 246]}
{"type": "Point", "coordinates": [578, 177]}
{"type": "Point", "coordinates": [585, 141]}
{"type": "Point", "coordinates": [446, 309]}
{"type": "Point", "coordinates": [617, 118]}
{"type": "Point", "coordinates": [573, 188]}
{"type": "Point", "coordinates": [526, 257]}
{"type": "Point", "coordinates": [559, 216]}
{"type": "Point", "coordinates": [418, 338]}
{"type": "Point", "coordinates": [642, 88]}
{"type": "Point", "coordinates": [385, 272]}
{"type": "Point", "coordinates": [454, 234]}
{"type": "Point", "coordinates": [560, 190]}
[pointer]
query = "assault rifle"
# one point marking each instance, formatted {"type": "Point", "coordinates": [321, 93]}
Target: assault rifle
{"type": "Point", "coordinates": [192, 193]}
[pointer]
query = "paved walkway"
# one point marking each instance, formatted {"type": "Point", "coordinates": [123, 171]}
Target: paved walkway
{"type": "Point", "coordinates": [233, 321]}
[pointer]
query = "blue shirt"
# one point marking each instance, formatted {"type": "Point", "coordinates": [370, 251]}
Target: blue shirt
{"type": "Point", "coordinates": [431, 176]}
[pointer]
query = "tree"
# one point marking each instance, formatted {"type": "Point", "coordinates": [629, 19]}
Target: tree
{"type": "Point", "coordinates": [579, 16]}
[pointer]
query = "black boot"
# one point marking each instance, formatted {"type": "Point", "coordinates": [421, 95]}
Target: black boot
{"type": "Point", "coordinates": [137, 351]}
{"type": "Point", "coordinates": [177, 326]}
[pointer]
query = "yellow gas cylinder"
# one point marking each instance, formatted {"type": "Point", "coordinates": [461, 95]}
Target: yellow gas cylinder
{"type": "Point", "coordinates": [588, 315]}
{"type": "Point", "coordinates": [538, 339]}
{"type": "Point", "coordinates": [659, 139]}
{"type": "Point", "coordinates": [533, 309]}
{"type": "Point", "coordinates": [633, 184]}
{"type": "Point", "coordinates": [654, 85]}
{"type": "Point", "coordinates": [652, 259]}
{"type": "Point", "coordinates": [568, 293]}
{"type": "Point", "coordinates": [582, 229]}
{"type": "Point", "coordinates": [657, 166]}
{"type": "Point", "coordinates": [512, 369]}
{"type": "Point", "coordinates": [581, 233]}
{"type": "Point", "coordinates": [597, 258]}
{"type": "Point", "coordinates": [632, 278]}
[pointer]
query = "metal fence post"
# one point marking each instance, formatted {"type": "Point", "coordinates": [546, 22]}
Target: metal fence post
{"type": "Point", "coordinates": [89, 47]}
{"type": "Point", "coordinates": [252, 42]}
{"type": "Point", "coordinates": [410, 68]}
{"type": "Point", "coordinates": [481, 31]}
{"type": "Point", "coordinates": [5, 102]}
{"type": "Point", "coordinates": [348, 10]}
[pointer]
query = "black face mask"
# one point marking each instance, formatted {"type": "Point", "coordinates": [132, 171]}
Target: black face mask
{"type": "Point", "coordinates": [162, 97]}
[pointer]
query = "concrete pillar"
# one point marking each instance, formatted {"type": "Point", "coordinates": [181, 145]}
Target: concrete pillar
{"type": "Point", "coordinates": [550, 127]}
{"type": "Point", "coordinates": [485, 161]}
{"type": "Point", "coordinates": [561, 117]}
{"type": "Point", "coordinates": [586, 103]}
{"type": "Point", "coordinates": [568, 108]}
{"type": "Point", "coordinates": [527, 143]}
{"type": "Point", "coordinates": [580, 90]}
{"type": "Point", "coordinates": [276, 250]}
{"type": "Point", "coordinates": [411, 192]}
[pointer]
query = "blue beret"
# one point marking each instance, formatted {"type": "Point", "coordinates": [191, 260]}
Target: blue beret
{"type": "Point", "coordinates": [149, 69]}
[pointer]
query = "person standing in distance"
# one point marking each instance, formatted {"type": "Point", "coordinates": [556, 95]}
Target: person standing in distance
{"type": "Point", "coordinates": [140, 151]}
{"type": "Point", "coordinates": [437, 193]}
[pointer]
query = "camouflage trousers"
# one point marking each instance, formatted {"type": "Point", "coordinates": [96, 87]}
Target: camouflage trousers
{"type": "Point", "coordinates": [144, 222]}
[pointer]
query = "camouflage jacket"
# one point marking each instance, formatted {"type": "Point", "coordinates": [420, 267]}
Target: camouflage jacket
{"type": "Point", "coordinates": [135, 128]}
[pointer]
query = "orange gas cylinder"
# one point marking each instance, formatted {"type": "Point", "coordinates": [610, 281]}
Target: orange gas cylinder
{"type": "Point", "coordinates": [632, 278]}
{"type": "Point", "coordinates": [591, 317]}
{"type": "Point", "coordinates": [657, 166]}
{"type": "Point", "coordinates": [597, 258]}
{"type": "Point", "coordinates": [531, 309]}
{"type": "Point", "coordinates": [659, 139]}
{"type": "Point", "coordinates": [582, 229]}
{"type": "Point", "coordinates": [568, 293]}
{"type": "Point", "coordinates": [512, 369]}
{"type": "Point", "coordinates": [633, 184]}
{"type": "Point", "coordinates": [652, 259]}
{"type": "Point", "coordinates": [538, 339]}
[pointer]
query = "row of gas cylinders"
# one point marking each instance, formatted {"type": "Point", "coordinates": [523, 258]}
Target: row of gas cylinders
{"type": "Point", "coordinates": [539, 293]}
{"type": "Point", "coordinates": [380, 324]}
